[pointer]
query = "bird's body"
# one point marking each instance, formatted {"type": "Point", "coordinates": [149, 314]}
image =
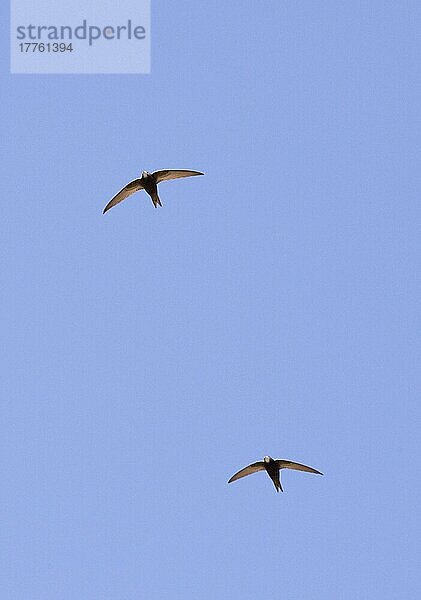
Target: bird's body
{"type": "Point", "coordinates": [272, 468]}
{"type": "Point", "coordinates": [151, 187]}
{"type": "Point", "coordinates": [149, 183]}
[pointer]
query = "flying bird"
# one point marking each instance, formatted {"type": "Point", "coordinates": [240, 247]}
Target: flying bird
{"type": "Point", "coordinates": [272, 468]}
{"type": "Point", "coordinates": [149, 183]}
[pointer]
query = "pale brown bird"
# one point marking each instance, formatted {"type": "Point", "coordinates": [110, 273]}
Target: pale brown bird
{"type": "Point", "coordinates": [149, 183]}
{"type": "Point", "coordinates": [272, 468]}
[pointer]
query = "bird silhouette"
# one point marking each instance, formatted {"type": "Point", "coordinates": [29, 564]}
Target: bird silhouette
{"type": "Point", "coordinates": [149, 183]}
{"type": "Point", "coordinates": [272, 468]}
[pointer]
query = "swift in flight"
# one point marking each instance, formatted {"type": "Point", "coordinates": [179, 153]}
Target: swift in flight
{"type": "Point", "coordinates": [272, 468]}
{"type": "Point", "coordinates": [149, 183]}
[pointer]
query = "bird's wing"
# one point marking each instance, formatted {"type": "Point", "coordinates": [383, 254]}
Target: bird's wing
{"type": "Point", "coordinates": [174, 174]}
{"type": "Point", "coordinates": [128, 189]}
{"type": "Point", "coordinates": [253, 468]}
{"type": "Point", "coordinates": [288, 464]}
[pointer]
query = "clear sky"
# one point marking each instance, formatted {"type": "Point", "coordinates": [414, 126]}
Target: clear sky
{"type": "Point", "coordinates": [270, 307]}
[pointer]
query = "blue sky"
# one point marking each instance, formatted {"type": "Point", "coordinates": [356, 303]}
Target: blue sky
{"type": "Point", "coordinates": [270, 307]}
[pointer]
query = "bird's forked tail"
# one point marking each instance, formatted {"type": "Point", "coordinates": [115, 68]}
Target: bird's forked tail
{"type": "Point", "coordinates": [155, 199]}
{"type": "Point", "coordinates": [277, 484]}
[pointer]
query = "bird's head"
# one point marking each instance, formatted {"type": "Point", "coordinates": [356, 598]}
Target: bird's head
{"type": "Point", "coordinates": [145, 173]}
{"type": "Point", "coordinates": [267, 459]}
